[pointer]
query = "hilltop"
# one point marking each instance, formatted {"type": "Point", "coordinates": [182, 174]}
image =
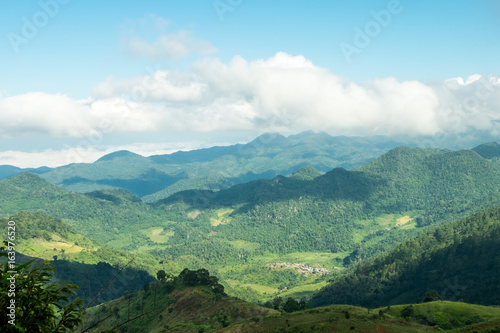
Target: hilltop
{"type": "Point", "coordinates": [177, 305]}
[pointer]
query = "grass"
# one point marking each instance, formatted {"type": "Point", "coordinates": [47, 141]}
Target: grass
{"type": "Point", "coordinates": [222, 217]}
{"type": "Point", "coordinates": [449, 315]}
{"type": "Point", "coordinates": [157, 234]}
{"type": "Point", "coordinates": [387, 221]}
{"type": "Point", "coordinates": [262, 292]}
{"type": "Point", "coordinates": [306, 290]}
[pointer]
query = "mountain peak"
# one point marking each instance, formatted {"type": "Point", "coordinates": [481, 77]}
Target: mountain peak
{"type": "Point", "coordinates": [306, 173]}
{"type": "Point", "coordinates": [28, 179]}
{"type": "Point", "coordinates": [488, 150]}
{"type": "Point", "coordinates": [119, 154]}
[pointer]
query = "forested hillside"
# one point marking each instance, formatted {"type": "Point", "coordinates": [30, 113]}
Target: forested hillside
{"type": "Point", "coordinates": [341, 210]}
{"type": "Point", "coordinates": [460, 260]}
{"type": "Point", "coordinates": [78, 259]}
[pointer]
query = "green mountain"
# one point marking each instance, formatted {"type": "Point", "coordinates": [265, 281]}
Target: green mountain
{"type": "Point", "coordinates": [157, 177]}
{"type": "Point", "coordinates": [459, 260]}
{"type": "Point", "coordinates": [7, 171]}
{"type": "Point", "coordinates": [338, 211]}
{"type": "Point", "coordinates": [488, 150]}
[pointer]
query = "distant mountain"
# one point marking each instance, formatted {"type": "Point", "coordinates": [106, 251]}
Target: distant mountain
{"type": "Point", "coordinates": [157, 177]}
{"type": "Point", "coordinates": [459, 260]}
{"type": "Point", "coordinates": [7, 171]}
{"type": "Point", "coordinates": [488, 150]}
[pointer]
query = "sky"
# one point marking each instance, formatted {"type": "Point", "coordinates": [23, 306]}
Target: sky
{"type": "Point", "coordinates": [79, 79]}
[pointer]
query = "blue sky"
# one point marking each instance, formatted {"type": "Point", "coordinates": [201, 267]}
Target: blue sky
{"type": "Point", "coordinates": [92, 56]}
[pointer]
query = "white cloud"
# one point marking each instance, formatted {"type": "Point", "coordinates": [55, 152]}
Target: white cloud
{"type": "Point", "coordinates": [60, 116]}
{"type": "Point", "coordinates": [284, 93]}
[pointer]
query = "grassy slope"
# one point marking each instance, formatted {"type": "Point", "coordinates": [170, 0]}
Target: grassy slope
{"type": "Point", "coordinates": [196, 309]}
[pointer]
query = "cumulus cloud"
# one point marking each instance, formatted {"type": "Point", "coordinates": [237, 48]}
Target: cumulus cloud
{"type": "Point", "coordinates": [57, 115]}
{"type": "Point", "coordinates": [289, 93]}
{"type": "Point", "coordinates": [151, 40]}
{"type": "Point", "coordinates": [283, 93]}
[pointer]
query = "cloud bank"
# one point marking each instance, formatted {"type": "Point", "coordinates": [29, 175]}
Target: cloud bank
{"type": "Point", "coordinates": [283, 93]}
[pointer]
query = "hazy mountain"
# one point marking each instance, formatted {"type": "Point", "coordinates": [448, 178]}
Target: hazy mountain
{"type": "Point", "coordinates": [7, 171]}
{"type": "Point", "coordinates": [156, 177]}
{"type": "Point", "coordinates": [488, 150]}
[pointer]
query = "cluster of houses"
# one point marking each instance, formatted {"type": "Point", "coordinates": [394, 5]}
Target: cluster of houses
{"type": "Point", "coordinates": [300, 268]}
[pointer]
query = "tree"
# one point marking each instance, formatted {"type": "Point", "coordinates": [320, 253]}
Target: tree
{"type": "Point", "coordinates": [161, 275]}
{"type": "Point", "coordinates": [39, 306]}
{"type": "Point", "coordinates": [291, 305]}
{"type": "Point", "coordinates": [431, 296]}
{"type": "Point", "coordinates": [408, 312]}
{"type": "Point", "coordinates": [277, 301]}
{"type": "Point", "coordinates": [347, 315]}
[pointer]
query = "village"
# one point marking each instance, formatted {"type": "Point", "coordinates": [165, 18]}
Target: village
{"type": "Point", "coordinates": [300, 268]}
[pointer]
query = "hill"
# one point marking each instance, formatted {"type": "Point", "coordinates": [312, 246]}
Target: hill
{"type": "Point", "coordinates": [194, 301]}
{"type": "Point", "coordinates": [176, 305]}
{"type": "Point", "coordinates": [78, 259]}
{"type": "Point", "coordinates": [7, 171]}
{"type": "Point", "coordinates": [459, 260]}
{"type": "Point", "coordinates": [335, 211]}
{"type": "Point", "coordinates": [488, 150]}
{"type": "Point", "coordinates": [104, 216]}
{"type": "Point", "coordinates": [157, 177]}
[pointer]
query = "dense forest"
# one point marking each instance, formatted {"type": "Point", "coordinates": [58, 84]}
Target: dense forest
{"type": "Point", "coordinates": [459, 260]}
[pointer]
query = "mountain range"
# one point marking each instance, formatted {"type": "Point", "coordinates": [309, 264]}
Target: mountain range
{"type": "Point", "coordinates": [329, 220]}
{"type": "Point", "coordinates": [157, 177]}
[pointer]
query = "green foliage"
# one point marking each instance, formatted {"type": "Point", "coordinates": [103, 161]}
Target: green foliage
{"type": "Point", "coordinates": [40, 306]}
{"type": "Point", "coordinates": [292, 305]}
{"type": "Point", "coordinates": [201, 277]}
{"type": "Point", "coordinates": [456, 259]}
{"type": "Point", "coordinates": [431, 296]}
{"type": "Point", "coordinates": [408, 312]}
{"type": "Point", "coordinates": [161, 275]}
